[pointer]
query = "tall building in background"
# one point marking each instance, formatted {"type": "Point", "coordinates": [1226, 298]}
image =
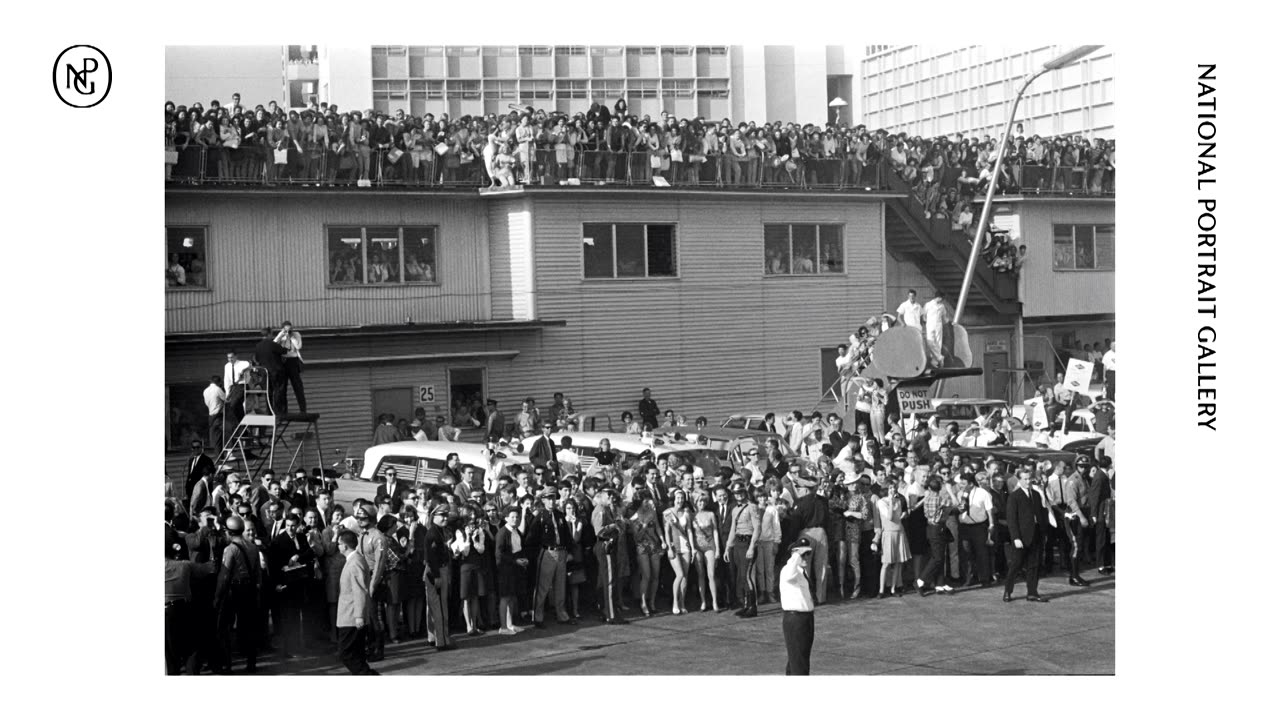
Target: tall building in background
{"type": "Point", "coordinates": [287, 74]}
{"type": "Point", "coordinates": [932, 91]}
{"type": "Point", "coordinates": [761, 82]}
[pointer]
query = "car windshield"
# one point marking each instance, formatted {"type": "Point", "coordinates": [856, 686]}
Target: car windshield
{"type": "Point", "coordinates": [704, 459]}
{"type": "Point", "coordinates": [963, 412]}
{"type": "Point", "coordinates": [735, 423]}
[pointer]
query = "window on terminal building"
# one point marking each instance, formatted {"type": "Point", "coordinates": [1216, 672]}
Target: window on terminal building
{"type": "Point", "coordinates": [1084, 247]}
{"type": "Point", "coordinates": [186, 258]}
{"type": "Point", "coordinates": [382, 255]}
{"type": "Point", "coordinates": [628, 250]}
{"type": "Point", "coordinates": [804, 249]}
{"type": "Point", "coordinates": [188, 416]}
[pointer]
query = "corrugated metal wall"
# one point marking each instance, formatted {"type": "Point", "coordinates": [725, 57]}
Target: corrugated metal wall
{"type": "Point", "coordinates": [1045, 292]}
{"type": "Point", "coordinates": [720, 338]}
{"type": "Point", "coordinates": [267, 261]}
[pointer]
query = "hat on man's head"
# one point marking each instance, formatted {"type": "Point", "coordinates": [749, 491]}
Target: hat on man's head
{"type": "Point", "coordinates": [801, 545]}
{"type": "Point", "coordinates": [415, 424]}
{"type": "Point", "coordinates": [548, 492]}
{"type": "Point", "coordinates": [441, 509]}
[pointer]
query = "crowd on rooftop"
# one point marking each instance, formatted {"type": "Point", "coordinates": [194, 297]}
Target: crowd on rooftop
{"type": "Point", "coordinates": [325, 145]}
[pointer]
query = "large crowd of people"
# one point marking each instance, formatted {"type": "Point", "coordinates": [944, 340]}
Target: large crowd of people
{"type": "Point", "coordinates": [274, 564]}
{"type": "Point", "coordinates": [322, 144]}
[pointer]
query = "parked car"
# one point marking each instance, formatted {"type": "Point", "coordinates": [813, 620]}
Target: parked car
{"type": "Point", "coordinates": [629, 448]}
{"type": "Point", "coordinates": [423, 462]}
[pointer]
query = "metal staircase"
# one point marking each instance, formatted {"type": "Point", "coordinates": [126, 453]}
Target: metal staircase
{"type": "Point", "coordinates": [942, 253]}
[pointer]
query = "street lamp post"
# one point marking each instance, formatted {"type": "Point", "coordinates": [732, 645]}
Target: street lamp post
{"type": "Point", "coordinates": [1055, 64]}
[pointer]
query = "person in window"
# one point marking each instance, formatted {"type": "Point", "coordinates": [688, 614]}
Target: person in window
{"type": "Point", "coordinates": [174, 274]}
{"type": "Point", "coordinates": [414, 269]}
{"type": "Point", "coordinates": [379, 269]}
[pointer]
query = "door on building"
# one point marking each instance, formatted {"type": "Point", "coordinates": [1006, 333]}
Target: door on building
{"type": "Point", "coordinates": [997, 382]}
{"type": "Point", "coordinates": [466, 393]}
{"type": "Point", "coordinates": [393, 401]}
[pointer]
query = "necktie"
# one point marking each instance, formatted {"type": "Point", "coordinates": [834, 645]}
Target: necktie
{"type": "Point", "coordinates": [555, 526]}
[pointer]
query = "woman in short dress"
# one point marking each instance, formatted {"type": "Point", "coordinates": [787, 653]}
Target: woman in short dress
{"type": "Point", "coordinates": [677, 524]}
{"type": "Point", "coordinates": [647, 537]}
{"type": "Point", "coordinates": [835, 527]}
{"type": "Point", "coordinates": [890, 538]}
{"type": "Point", "coordinates": [706, 548]}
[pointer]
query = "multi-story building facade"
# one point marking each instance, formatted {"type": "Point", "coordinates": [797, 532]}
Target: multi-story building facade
{"type": "Point", "coordinates": [932, 91]}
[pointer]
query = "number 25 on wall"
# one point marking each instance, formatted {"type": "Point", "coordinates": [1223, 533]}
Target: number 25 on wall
{"type": "Point", "coordinates": [426, 393]}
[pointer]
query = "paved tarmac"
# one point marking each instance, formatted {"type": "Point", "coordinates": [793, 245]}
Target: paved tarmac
{"type": "Point", "coordinates": [972, 632]}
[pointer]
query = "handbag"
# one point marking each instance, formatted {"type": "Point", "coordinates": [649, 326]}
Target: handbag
{"type": "Point", "coordinates": [698, 158]}
{"type": "Point", "coordinates": [170, 157]}
{"type": "Point", "coordinates": [655, 162]}
{"type": "Point", "coordinates": [562, 154]}
{"type": "Point", "coordinates": [677, 156]}
{"type": "Point", "coordinates": [394, 154]}
{"type": "Point", "coordinates": [466, 157]}
{"type": "Point", "coordinates": [281, 156]}
{"type": "Point", "coordinates": [442, 148]}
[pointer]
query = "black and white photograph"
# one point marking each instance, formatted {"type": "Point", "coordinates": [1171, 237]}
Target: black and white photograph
{"type": "Point", "coordinates": [619, 359]}
{"type": "Point", "coordinates": [613, 359]}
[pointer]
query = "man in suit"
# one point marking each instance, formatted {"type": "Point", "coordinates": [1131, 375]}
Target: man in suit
{"type": "Point", "coordinates": [202, 494]}
{"type": "Point", "coordinates": [543, 452]}
{"type": "Point", "coordinates": [270, 355]}
{"type": "Point", "coordinates": [548, 539]}
{"type": "Point", "coordinates": [289, 557]}
{"type": "Point", "coordinates": [468, 485]}
{"type": "Point", "coordinates": [725, 577]}
{"type": "Point", "coordinates": [353, 607]}
{"type": "Point", "coordinates": [391, 490]}
{"type": "Point", "coordinates": [1023, 512]}
{"type": "Point", "coordinates": [198, 465]}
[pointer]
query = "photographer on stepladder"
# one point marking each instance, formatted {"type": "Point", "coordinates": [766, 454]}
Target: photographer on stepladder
{"type": "Point", "coordinates": [269, 354]}
{"type": "Point", "coordinates": [291, 341]}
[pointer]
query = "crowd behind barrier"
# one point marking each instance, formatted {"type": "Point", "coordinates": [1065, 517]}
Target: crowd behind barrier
{"type": "Point", "coordinates": [323, 146]}
{"type": "Point", "coordinates": [266, 565]}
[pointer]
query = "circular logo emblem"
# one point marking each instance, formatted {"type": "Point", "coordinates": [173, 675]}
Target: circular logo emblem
{"type": "Point", "coordinates": [82, 76]}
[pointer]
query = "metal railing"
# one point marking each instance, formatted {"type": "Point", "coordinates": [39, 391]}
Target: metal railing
{"type": "Point", "coordinates": [340, 165]}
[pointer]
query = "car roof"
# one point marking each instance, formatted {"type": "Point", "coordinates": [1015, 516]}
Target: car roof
{"type": "Point", "coordinates": [469, 453]}
{"type": "Point", "coordinates": [967, 401]}
{"type": "Point", "coordinates": [617, 441]}
{"type": "Point", "coordinates": [1015, 453]}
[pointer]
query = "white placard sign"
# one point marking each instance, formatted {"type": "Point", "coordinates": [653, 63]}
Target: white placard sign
{"type": "Point", "coordinates": [1078, 374]}
{"type": "Point", "coordinates": [914, 400]}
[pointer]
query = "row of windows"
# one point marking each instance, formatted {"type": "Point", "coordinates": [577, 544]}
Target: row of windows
{"type": "Point", "coordinates": [391, 255]}
{"type": "Point", "coordinates": [543, 50]}
{"type": "Point", "coordinates": [1084, 247]}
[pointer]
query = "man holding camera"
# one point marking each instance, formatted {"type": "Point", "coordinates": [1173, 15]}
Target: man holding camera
{"type": "Point", "coordinates": [291, 341]}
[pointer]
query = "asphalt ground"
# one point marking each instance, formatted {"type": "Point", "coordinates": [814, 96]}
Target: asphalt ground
{"type": "Point", "coordinates": [971, 632]}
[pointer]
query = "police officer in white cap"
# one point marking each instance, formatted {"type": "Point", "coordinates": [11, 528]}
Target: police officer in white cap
{"type": "Point", "coordinates": [797, 608]}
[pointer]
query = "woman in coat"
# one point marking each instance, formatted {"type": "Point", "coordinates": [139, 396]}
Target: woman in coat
{"type": "Point", "coordinates": [511, 564]}
{"type": "Point", "coordinates": [331, 562]}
